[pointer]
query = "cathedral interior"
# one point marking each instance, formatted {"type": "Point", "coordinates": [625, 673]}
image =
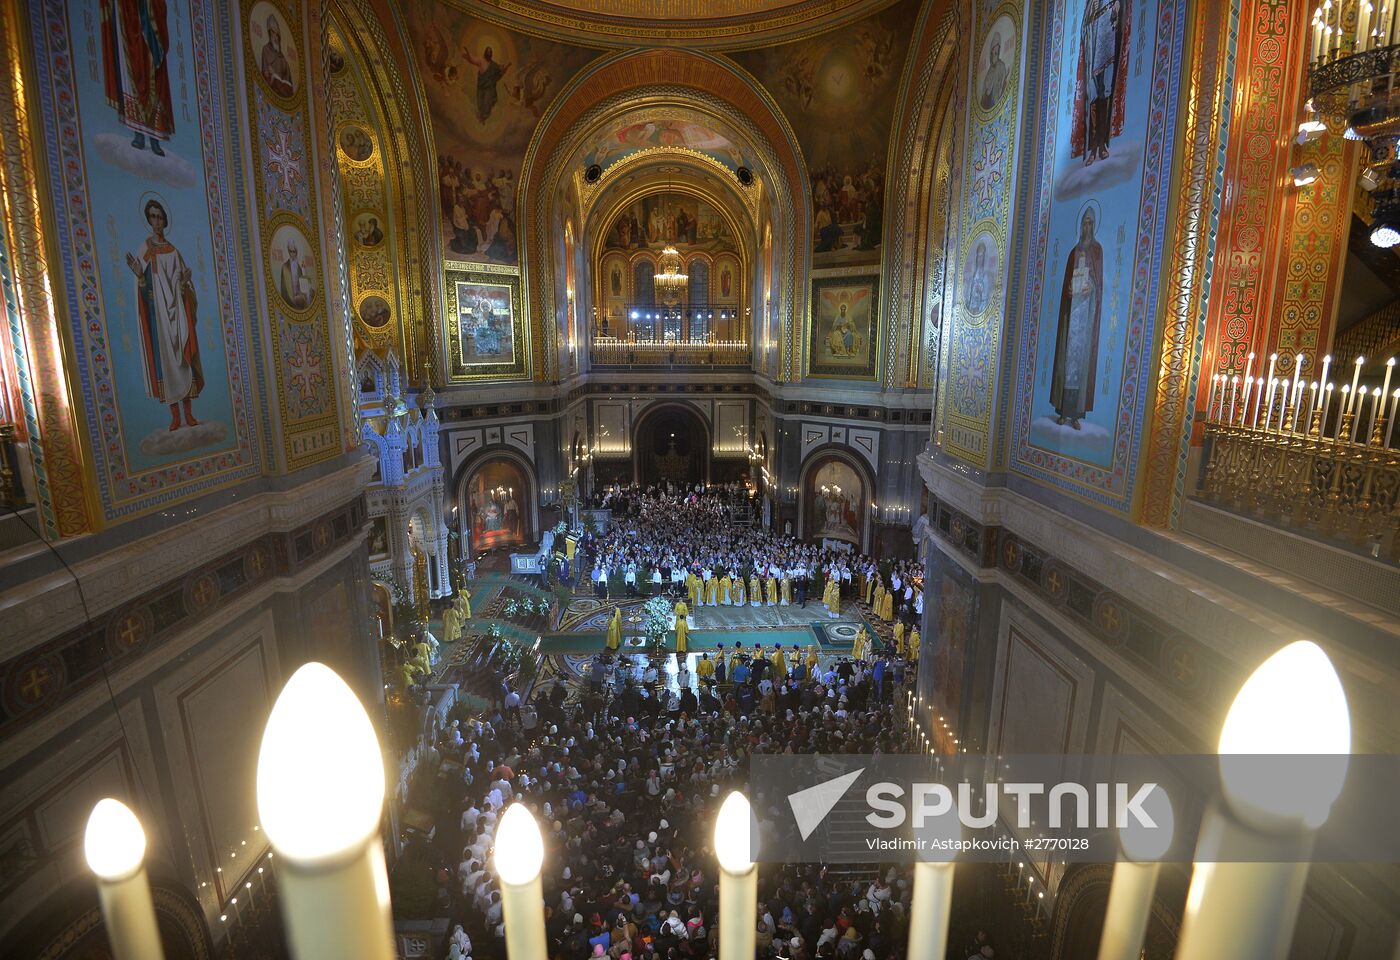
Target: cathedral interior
{"type": "Point", "coordinates": [1048, 342]}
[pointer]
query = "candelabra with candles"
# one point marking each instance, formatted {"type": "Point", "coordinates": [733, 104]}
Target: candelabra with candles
{"type": "Point", "coordinates": [320, 794]}
{"type": "Point", "coordinates": [1307, 454]}
{"type": "Point", "coordinates": [1353, 57]}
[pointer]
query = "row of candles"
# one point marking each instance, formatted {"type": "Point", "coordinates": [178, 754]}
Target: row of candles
{"type": "Point", "coordinates": [1333, 37]}
{"type": "Point", "coordinates": [890, 512]}
{"type": "Point", "coordinates": [320, 796]}
{"type": "Point", "coordinates": [1240, 402]}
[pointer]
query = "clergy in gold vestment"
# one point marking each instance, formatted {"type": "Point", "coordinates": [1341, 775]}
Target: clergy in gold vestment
{"type": "Point", "coordinates": [779, 661]}
{"type": "Point", "coordinates": [451, 625]}
{"type": "Point", "coordinates": [464, 605]}
{"type": "Point", "coordinates": [913, 644]}
{"type": "Point", "coordinates": [771, 585]}
{"type": "Point", "coordinates": [711, 591]}
{"type": "Point", "coordinates": [858, 647]}
{"type": "Point", "coordinates": [899, 638]}
{"type": "Point", "coordinates": [614, 640]}
{"type": "Point", "coordinates": [682, 629]}
{"type": "Point", "coordinates": [692, 588]}
{"type": "Point", "coordinates": [755, 591]}
{"type": "Point", "coordinates": [785, 592]}
{"type": "Point", "coordinates": [811, 660]}
{"type": "Point", "coordinates": [868, 590]}
{"type": "Point", "coordinates": [833, 603]}
{"type": "Point", "coordinates": [705, 668]}
{"type": "Point", "coordinates": [726, 590]}
{"type": "Point", "coordinates": [738, 594]}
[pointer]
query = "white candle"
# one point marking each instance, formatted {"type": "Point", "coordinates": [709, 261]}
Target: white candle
{"type": "Point", "coordinates": [1326, 362]}
{"type": "Point", "coordinates": [1269, 402]}
{"type": "Point", "coordinates": [1363, 24]}
{"type": "Point", "coordinates": [1312, 405]}
{"type": "Point", "coordinates": [115, 848]}
{"type": "Point", "coordinates": [320, 789]}
{"type": "Point", "coordinates": [1282, 405]}
{"type": "Point", "coordinates": [518, 860]}
{"type": "Point", "coordinates": [1248, 369]}
{"type": "Point", "coordinates": [1210, 399]}
{"type": "Point", "coordinates": [1135, 879]}
{"type": "Point", "coordinates": [1355, 376]}
{"type": "Point", "coordinates": [929, 910]}
{"type": "Point", "coordinates": [738, 879]}
{"type": "Point", "coordinates": [1292, 704]}
{"type": "Point", "coordinates": [1297, 376]}
{"type": "Point", "coordinates": [1346, 405]}
{"type": "Point", "coordinates": [1390, 424]}
{"type": "Point", "coordinates": [1316, 38]}
{"type": "Point", "coordinates": [1234, 395]}
{"type": "Point", "coordinates": [1375, 412]}
{"type": "Point", "coordinates": [1326, 405]}
{"type": "Point", "coordinates": [1389, 369]}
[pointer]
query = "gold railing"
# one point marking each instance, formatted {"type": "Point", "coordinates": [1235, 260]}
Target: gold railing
{"type": "Point", "coordinates": [1333, 477]}
{"type": "Point", "coordinates": [685, 353]}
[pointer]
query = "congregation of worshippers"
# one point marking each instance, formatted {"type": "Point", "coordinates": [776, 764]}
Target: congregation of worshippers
{"type": "Point", "coordinates": [626, 769]}
{"type": "Point", "coordinates": [687, 545]}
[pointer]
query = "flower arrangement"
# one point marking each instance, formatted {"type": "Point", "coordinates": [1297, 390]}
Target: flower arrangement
{"type": "Point", "coordinates": [510, 608]}
{"type": "Point", "coordinates": [656, 620]}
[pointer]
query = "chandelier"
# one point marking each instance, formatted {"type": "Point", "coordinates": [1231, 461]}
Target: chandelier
{"type": "Point", "coordinates": [1352, 83]}
{"type": "Point", "coordinates": [670, 279]}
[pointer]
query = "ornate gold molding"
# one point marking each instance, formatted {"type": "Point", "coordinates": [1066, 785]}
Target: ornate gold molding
{"type": "Point", "coordinates": [62, 467]}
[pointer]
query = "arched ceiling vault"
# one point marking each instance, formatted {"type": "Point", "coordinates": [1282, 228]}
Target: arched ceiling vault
{"type": "Point", "coordinates": [648, 86]}
{"type": "Point", "coordinates": [678, 176]}
{"type": "Point", "coordinates": [695, 24]}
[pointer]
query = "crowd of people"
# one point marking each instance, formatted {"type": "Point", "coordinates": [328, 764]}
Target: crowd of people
{"type": "Point", "coordinates": [626, 797]}
{"type": "Point", "coordinates": [626, 772]}
{"type": "Point", "coordinates": [663, 540]}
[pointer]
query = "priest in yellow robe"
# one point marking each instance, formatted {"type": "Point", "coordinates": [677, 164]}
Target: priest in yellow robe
{"type": "Point", "coordinates": [833, 603]}
{"type": "Point", "coordinates": [711, 592]}
{"type": "Point", "coordinates": [811, 660]}
{"type": "Point", "coordinates": [785, 591]}
{"type": "Point", "coordinates": [705, 669]}
{"type": "Point", "coordinates": [451, 625]}
{"type": "Point", "coordinates": [682, 628]}
{"type": "Point", "coordinates": [738, 594]}
{"type": "Point", "coordinates": [464, 604]}
{"type": "Point", "coordinates": [914, 641]}
{"type": "Point", "coordinates": [692, 588]}
{"type": "Point", "coordinates": [868, 590]}
{"type": "Point", "coordinates": [771, 587]}
{"type": "Point", "coordinates": [780, 666]}
{"type": "Point", "coordinates": [726, 590]}
{"type": "Point", "coordinates": [879, 598]}
{"type": "Point", "coordinates": [858, 647]}
{"type": "Point", "coordinates": [888, 607]}
{"type": "Point", "coordinates": [755, 590]}
{"type": "Point", "coordinates": [614, 640]}
{"type": "Point", "coordinates": [899, 638]}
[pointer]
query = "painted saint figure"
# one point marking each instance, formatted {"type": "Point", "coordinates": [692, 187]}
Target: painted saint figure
{"type": "Point", "coordinates": [997, 70]}
{"type": "Point", "coordinates": [293, 282]}
{"type": "Point", "coordinates": [276, 70]}
{"type": "Point", "coordinates": [168, 310]}
{"type": "Point", "coordinates": [979, 288]}
{"type": "Point", "coordinates": [1100, 84]}
{"type": "Point", "coordinates": [488, 75]}
{"type": "Point", "coordinates": [1077, 335]}
{"type": "Point", "coordinates": [136, 68]}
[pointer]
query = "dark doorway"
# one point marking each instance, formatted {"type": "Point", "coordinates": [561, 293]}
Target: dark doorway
{"type": "Point", "coordinates": [673, 445]}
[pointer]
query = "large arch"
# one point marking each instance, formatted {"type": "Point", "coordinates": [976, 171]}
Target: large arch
{"type": "Point", "coordinates": [649, 445]}
{"type": "Point", "coordinates": [857, 516]}
{"type": "Point", "coordinates": [528, 519]}
{"type": "Point", "coordinates": [685, 80]}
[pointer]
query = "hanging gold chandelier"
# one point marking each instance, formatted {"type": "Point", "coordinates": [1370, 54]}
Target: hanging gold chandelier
{"type": "Point", "coordinates": [1353, 69]}
{"type": "Point", "coordinates": [670, 279]}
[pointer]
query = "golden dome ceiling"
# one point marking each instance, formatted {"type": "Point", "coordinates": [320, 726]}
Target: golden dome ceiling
{"type": "Point", "coordinates": [701, 24]}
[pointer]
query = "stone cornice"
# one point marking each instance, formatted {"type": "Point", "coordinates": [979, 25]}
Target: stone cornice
{"type": "Point", "coordinates": [46, 606]}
